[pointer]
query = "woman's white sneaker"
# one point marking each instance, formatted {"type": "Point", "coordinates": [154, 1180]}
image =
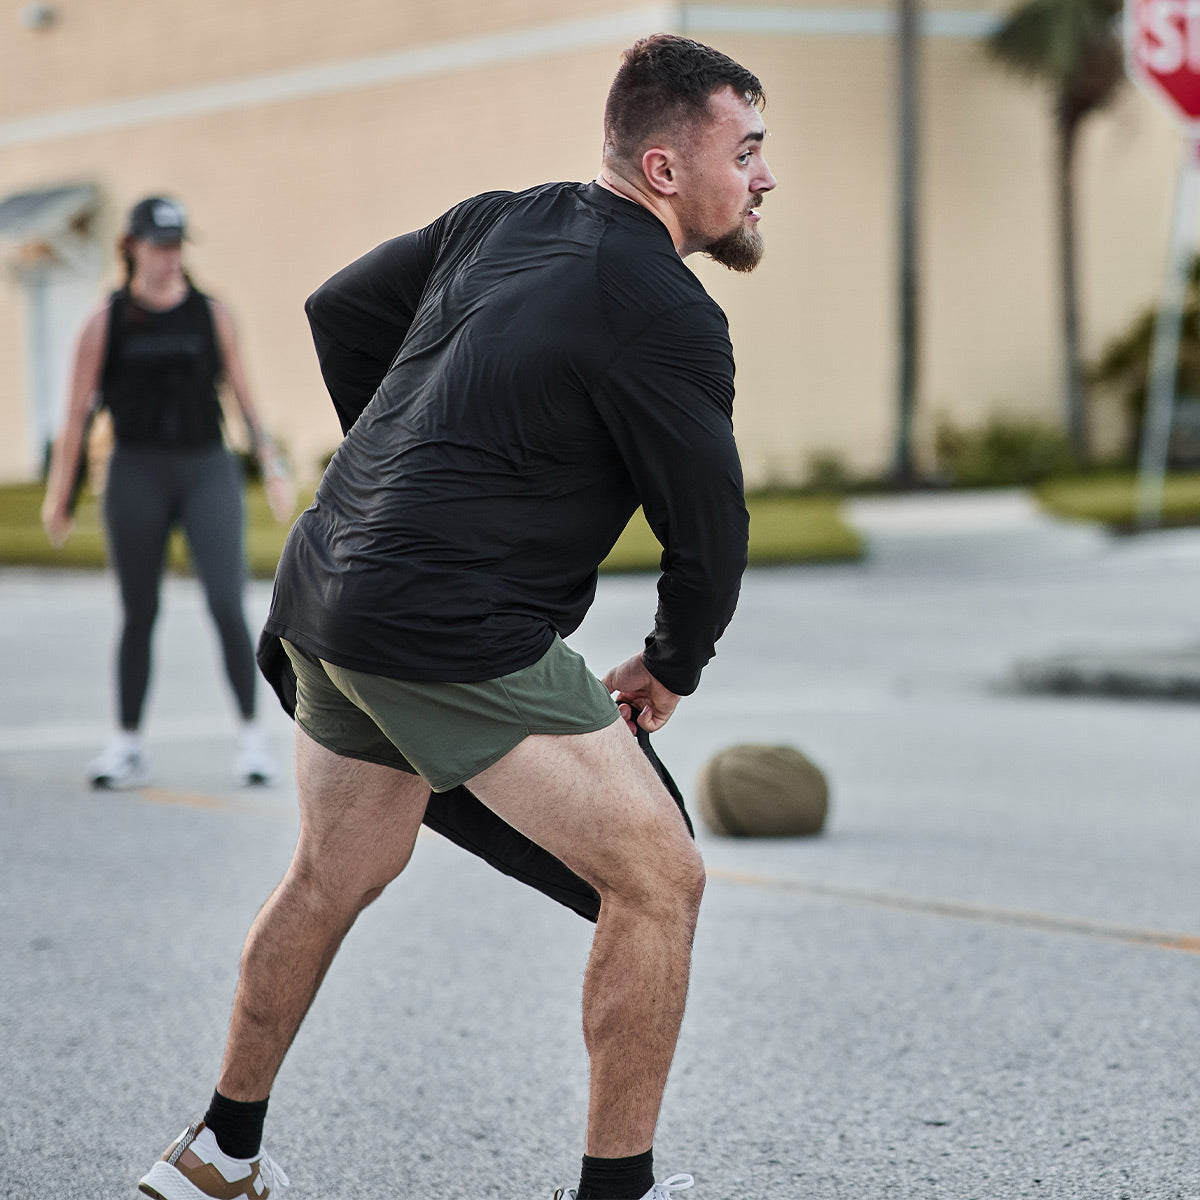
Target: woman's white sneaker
{"type": "Point", "coordinates": [255, 762]}
{"type": "Point", "coordinates": [121, 764]}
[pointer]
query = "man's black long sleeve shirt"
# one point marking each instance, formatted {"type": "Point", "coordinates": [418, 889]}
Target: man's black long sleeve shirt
{"type": "Point", "coordinates": [514, 380]}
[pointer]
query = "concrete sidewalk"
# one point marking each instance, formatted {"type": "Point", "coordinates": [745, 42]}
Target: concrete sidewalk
{"type": "Point", "coordinates": [962, 530]}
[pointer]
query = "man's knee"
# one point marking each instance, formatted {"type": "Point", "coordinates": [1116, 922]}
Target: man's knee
{"type": "Point", "coordinates": [662, 872]}
{"type": "Point", "coordinates": [345, 888]}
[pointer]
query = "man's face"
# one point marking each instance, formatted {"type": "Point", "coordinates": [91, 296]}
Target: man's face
{"type": "Point", "coordinates": [721, 180]}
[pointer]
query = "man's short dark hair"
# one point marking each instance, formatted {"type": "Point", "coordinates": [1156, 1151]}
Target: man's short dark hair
{"type": "Point", "coordinates": [662, 88]}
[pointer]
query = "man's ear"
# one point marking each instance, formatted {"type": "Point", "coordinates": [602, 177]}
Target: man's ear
{"type": "Point", "coordinates": [658, 165]}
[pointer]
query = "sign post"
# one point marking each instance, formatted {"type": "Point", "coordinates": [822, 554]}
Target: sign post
{"type": "Point", "coordinates": [1162, 56]}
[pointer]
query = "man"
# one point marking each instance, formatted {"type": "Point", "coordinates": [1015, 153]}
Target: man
{"type": "Point", "coordinates": [514, 379]}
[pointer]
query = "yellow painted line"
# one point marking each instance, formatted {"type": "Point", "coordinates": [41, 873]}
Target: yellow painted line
{"type": "Point", "coordinates": [1188, 943]}
{"type": "Point", "coordinates": [185, 799]}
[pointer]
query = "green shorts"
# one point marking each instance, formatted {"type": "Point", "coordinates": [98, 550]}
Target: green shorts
{"type": "Point", "coordinates": [445, 732]}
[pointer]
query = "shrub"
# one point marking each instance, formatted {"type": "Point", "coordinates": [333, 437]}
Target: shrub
{"type": "Point", "coordinates": [1124, 365]}
{"type": "Point", "coordinates": [827, 473]}
{"type": "Point", "coordinates": [1006, 451]}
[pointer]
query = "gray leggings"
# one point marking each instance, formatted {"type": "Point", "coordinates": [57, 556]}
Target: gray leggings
{"type": "Point", "coordinates": [150, 491]}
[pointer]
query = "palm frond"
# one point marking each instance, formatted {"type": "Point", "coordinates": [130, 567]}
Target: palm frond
{"type": "Point", "coordinates": [1057, 41]}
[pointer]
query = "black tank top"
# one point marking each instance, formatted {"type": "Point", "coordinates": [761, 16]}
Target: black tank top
{"type": "Point", "coordinates": [160, 373]}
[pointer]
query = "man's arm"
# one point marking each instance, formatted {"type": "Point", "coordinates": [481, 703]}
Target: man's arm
{"type": "Point", "coordinates": [668, 401]}
{"type": "Point", "coordinates": [360, 317]}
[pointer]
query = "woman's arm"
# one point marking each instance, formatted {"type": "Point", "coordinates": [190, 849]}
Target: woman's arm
{"type": "Point", "coordinates": [68, 446]}
{"type": "Point", "coordinates": [281, 495]}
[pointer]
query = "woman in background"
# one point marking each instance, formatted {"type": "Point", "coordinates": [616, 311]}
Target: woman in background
{"type": "Point", "coordinates": [154, 355]}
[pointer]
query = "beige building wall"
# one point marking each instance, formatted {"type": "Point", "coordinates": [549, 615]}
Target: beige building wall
{"type": "Point", "coordinates": [301, 132]}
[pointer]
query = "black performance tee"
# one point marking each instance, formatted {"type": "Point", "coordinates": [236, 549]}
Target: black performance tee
{"type": "Point", "coordinates": [514, 380]}
{"type": "Point", "coordinates": [160, 375]}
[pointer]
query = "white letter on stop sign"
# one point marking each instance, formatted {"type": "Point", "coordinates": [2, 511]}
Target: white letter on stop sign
{"type": "Point", "coordinates": [1171, 32]}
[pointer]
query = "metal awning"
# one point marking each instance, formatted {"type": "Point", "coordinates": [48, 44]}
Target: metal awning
{"type": "Point", "coordinates": [45, 214]}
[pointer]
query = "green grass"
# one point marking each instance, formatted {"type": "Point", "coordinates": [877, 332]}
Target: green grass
{"type": "Point", "coordinates": [23, 542]}
{"type": "Point", "coordinates": [783, 529]}
{"type": "Point", "coordinates": [1110, 498]}
{"type": "Point", "coordinates": [788, 529]}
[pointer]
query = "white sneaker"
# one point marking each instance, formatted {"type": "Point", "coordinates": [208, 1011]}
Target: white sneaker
{"type": "Point", "coordinates": [660, 1191]}
{"type": "Point", "coordinates": [255, 762]}
{"type": "Point", "coordinates": [194, 1168]}
{"type": "Point", "coordinates": [121, 764]}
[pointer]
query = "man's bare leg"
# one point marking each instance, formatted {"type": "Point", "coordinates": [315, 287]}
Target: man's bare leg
{"type": "Point", "coordinates": [594, 801]}
{"type": "Point", "coordinates": [358, 824]}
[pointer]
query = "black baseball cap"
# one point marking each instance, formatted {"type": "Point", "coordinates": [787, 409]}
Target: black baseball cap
{"type": "Point", "coordinates": [157, 219]}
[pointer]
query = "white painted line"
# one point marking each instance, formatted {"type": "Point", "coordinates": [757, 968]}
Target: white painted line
{"type": "Point", "coordinates": [324, 79]}
{"type": "Point", "coordinates": [467, 54]}
{"type": "Point", "coordinates": [700, 19]}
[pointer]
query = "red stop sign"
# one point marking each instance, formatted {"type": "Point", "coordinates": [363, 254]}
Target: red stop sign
{"type": "Point", "coordinates": [1162, 54]}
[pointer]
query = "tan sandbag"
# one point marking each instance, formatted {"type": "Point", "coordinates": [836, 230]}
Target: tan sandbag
{"type": "Point", "coordinates": [762, 791]}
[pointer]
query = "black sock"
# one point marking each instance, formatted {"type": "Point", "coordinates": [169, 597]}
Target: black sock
{"type": "Point", "coordinates": [617, 1178]}
{"type": "Point", "coordinates": [237, 1125]}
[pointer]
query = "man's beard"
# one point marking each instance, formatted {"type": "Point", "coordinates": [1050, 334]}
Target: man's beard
{"type": "Point", "coordinates": [739, 250]}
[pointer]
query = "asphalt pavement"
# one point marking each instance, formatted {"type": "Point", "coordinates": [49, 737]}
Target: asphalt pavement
{"type": "Point", "coordinates": [979, 983]}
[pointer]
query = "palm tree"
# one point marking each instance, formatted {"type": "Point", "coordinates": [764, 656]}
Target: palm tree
{"type": "Point", "coordinates": [1074, 46]}
{"type": "Point", "coordinates": [907, 79]}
